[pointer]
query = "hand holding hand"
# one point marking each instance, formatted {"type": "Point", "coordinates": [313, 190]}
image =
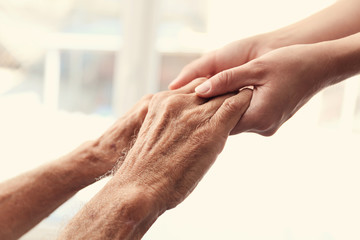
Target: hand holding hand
{"type": "Point", "coordinates": [179, 140]}
{"type": "Point", "coordinates": [283, 79]}
{"type": "Point", "coordinates": [232, 55]}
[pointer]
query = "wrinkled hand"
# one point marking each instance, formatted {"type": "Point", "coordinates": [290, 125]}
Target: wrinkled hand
{"type": "Point", "coordinates": [283, 79]}
{"type": "Point", "coordinates": [179, 140]}
{"type": "Point", "coordinates": [112, 146]}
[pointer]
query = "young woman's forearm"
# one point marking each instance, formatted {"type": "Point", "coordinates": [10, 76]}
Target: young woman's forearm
{"type": "Point", "coordinates": [344, 57]}
{"type": "Point", "coordinates": [337, 21]}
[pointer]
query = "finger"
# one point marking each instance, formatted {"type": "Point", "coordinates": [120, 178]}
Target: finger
{"type": "Point", "coordinates": [247, 123]}
{"type": "Point", "coordinates": [214, 104]}
{"type": "Point", "coordinates": [257, 117]}
{"type": "Point", "coordinates": [231, 110]}
{"type": "Point", "coordinates": [202, 67]}
{"type": "Point", "coordinates": [227, 81]}
{"type": "Point", "coordinates": [190, 88]}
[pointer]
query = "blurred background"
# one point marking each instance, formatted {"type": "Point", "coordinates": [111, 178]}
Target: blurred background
{"type": "Point", "coordinates": [69, 68]}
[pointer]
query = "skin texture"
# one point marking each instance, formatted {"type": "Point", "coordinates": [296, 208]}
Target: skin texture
{"type": "Point", "coordinates": [27, 199]}
{"type": "Point", "coordinates": [284, 66]}
{"type": "Point", "coordinates": [179, 140]}
{"type": "Point", "coordinates": [169, 158]}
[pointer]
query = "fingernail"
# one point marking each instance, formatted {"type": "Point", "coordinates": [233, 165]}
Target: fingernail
{"type": "Point", "coordinates": [203, 88]}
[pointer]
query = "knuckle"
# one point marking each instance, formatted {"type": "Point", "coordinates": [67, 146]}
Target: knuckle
{"type": "Point", "coordinates": [175, 98]}
{"type": "Point", "coordinates": [145, 101]}
{"type": "Point", "coordinates": [157, 101]}
{"type": "Point", "coordinates": [230, 105]}
{"type": "Point", "coordinates": [199, 81]}
{"type": "Point", "coordinates": [158, 97]}
{"type": "Point", "coordinates": [172, 102]}
{"type": "Point", "coordinates": [188, 67]}
{"type": "Point", "coordinates": [258, 68]}
{"type": "Point", "coordinates": [224, 79]}
{"type": "Point", "coordinates": [147, 97]}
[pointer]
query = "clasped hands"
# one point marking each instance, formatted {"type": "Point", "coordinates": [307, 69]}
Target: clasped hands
{"type": "Point", "coordinates": [179, 136]}
{"type": "Point", "coordinates": [185, 129]}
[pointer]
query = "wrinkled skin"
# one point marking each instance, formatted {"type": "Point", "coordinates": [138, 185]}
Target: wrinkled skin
{"type": "Point", "coordinates": [30, 197]}
{"type": "Point", "coordinates": [111, 147]}
{"type": "Point", "coordinates": [178, 142]}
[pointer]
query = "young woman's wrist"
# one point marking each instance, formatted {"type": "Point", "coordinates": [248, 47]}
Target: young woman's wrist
{"type": "Point", "coordinates": [344, 55]}
{"type": "Point", "coordinates": [260, 45]}
{"type": "Point", "coordinates": [267, 42]}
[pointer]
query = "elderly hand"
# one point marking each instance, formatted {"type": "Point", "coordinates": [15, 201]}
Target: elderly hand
{"type": "Point", "coordinates": [30, 197]}
{"type": "Point", "coordinates": [111, 147]}
{"type": "Point", "coordinates": [179, 140]}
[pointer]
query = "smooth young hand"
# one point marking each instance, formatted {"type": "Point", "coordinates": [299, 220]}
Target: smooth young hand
{"type": "Point", "coordinates": [285, 79]}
